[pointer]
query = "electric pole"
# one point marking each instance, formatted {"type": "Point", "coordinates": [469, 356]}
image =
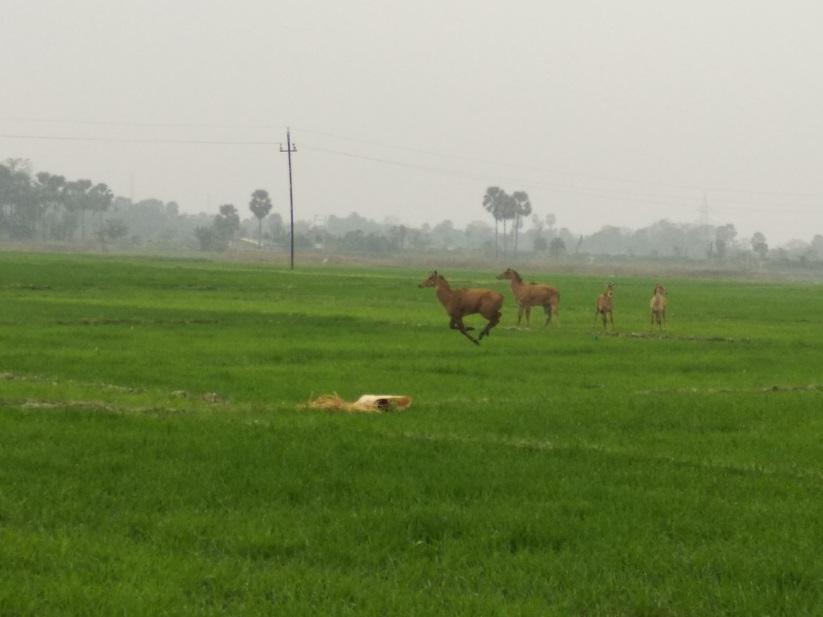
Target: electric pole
{"type": "Point", "coordinates": [289, 149]}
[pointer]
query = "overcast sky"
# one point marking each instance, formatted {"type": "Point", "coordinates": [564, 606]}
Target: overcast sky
{"type": "Point", "coordinates": [615, 113]}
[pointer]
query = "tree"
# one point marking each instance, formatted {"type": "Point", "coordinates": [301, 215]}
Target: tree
{"type": "Point", "coordinates": [557, 247]}
{"type": "Point", "coordinates": [216, 237]}
{"type": "Point", "coordinates": [397, 236]}
{"type": "Point", "coordinates": [76, 200]}
{"type": "Point", "coordinates": [608, 240]}
{"type": "Point", "coordinates": [17, 199]}
{"type": "Point", "coordinates": [260, 205]}
{"type": "Point", "coordinates": [522, 208]}
{"type": "Point", "coordinates": [227, 223]}
{"type": "Point", "coordinates": [817, 246]}
{"type": "Point", "coordinates": [724, 236]}
{"type": "Point", "coordinates": [508, 212]}
{"type": "Point", "coordinates": [100, 198]}
{"type": "Point", "coordinates": [49, 189]}
{"type": "Point", "coordinates": [494, 202]}
{"type": "Point", "coordinates": [207, 238]}
{"type": "Point", "coordinates": [478, 234]}
{"type": "Point", "coordinates": [112, 230]}
{"type": "Point", "coordinates": [759, 245]}
{"type": "Point", "coordinates": [275, 226]}
{"type": "Point", "coordinates": [443, 234]}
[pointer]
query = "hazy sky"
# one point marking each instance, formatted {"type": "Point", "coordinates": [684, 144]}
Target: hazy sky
{"type": "Point", "coordinates": [605, 112]}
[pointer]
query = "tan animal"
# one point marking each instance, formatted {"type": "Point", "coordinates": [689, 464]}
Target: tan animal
{"type": "Point", "coordinates": [532, 294]}
{"type": "Point", "coordinates": [604, 304]}
{"type": "Point", "coordinates": [657, 306]}
{"type": "Point", "coordinates": [461, 302]}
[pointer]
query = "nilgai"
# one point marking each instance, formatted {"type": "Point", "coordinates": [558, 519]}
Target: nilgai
{"type": "Point", "coordinates": [532, 294]}
{"type": "Point", "coordinates": [657, 306]}
{"type": "Point", "coordinates": [461, 302]}
{"type": "Point", "coordinates": [604, 304]}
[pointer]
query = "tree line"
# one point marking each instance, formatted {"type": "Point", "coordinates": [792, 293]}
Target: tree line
{"type": "Point", "coordinates": [47, 206]}
{"type": "Point", "coordinates": [50, 208]}
{"type": "Point", "coordinates": [44, 207]}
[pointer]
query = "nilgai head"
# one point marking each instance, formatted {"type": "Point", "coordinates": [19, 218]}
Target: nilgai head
{"type": "Point", "coordinates": [431, 280]}
{"type": "Point", "coordinates": [508, 274]}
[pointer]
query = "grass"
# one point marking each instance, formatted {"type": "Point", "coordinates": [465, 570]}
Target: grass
{"type": "Point", "coordinates": [153, 460]}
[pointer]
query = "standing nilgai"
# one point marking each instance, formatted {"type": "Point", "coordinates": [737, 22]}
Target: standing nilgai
{"type": "Point", "coordinates": [657, 306]}
{"type": "Point", "coordinates": [604, 304]}
{"type": "Point", "coordinates": [461, 302]}
{"type": "Point", "coordinates": [532, 294]}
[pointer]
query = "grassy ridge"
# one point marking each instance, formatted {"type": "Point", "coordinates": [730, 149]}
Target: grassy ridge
{"type": "Point", "coordinates": [152, 460]}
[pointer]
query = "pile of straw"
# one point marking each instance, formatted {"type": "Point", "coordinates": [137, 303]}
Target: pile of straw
{"type": "Point", "coordinates": [368, 403]}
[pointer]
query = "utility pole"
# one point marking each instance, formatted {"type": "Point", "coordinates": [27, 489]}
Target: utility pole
{"type": "Point", "coordinates": [289, 149]}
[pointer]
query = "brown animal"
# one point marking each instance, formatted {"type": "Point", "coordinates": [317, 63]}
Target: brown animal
{"type": "Point", "coordinates": [461, 302]}
{"type": "Point", "coordinates": [604, 304]}
{"type": "Point", "coordinates": [657, 306]}
{"type": "Point", "coordinates": [532, 294]}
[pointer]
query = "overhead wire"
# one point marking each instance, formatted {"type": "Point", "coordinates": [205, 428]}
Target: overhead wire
{"type": "Point", "coordinates": [570, 187]}
{"type": "Point", "coordinates": [138, 140]}
{"type": "Point", "coordinates": [575, 177]}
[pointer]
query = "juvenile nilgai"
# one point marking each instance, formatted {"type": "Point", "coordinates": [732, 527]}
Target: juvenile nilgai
{"type": "Point", "coordinates": [604, 304]}
{"type": "Point", "coordinates": [657, 306]}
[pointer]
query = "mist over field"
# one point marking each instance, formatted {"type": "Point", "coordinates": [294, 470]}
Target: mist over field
{"type": "Point", "coordinates": [46, 211]}
{"type": "Point", "coordinates": [619, 116]}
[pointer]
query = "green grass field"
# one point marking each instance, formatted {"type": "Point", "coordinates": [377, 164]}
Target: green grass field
{"type": "Point", "coordinates": [154, 461]}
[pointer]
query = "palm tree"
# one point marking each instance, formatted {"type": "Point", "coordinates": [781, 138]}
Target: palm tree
{"type": "Point", "coordinates": [49, 190]}
{"type": "Point", "coordinates": [522, 207]}
{"type": "Point", "coordinates": [260, 205]}
{"type": "Point", "coordinates": [493, 204]}
{"type": "Point", "coordinates": [16, 195]}
{"type": "Point", "coordinates": [100, 198]}
{"type": "Point", "coordinates": [506, 214]}
{"type": "Point", "coordinates": [76, 199]}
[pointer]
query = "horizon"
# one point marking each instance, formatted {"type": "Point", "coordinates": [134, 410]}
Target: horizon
{"type": "Point", "coordinates": [605, 115]}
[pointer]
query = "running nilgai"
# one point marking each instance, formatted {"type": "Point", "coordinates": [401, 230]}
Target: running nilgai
{"type": "Point", "coordinates": [532, 294]}
{"type": "Point", "coordinates": [461, 302]}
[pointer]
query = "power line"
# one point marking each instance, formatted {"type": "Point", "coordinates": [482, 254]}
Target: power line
{"type": "Point", "coordinates": [571, 188]}
{"type": "Point", "coordinates": [137, 140]}
{"type": "Point", "coordinates": [428, 152]}
{"type": "Point", "coordinates": [633, 196]}
{"type": "Point", "coordinates": [200, 125]}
